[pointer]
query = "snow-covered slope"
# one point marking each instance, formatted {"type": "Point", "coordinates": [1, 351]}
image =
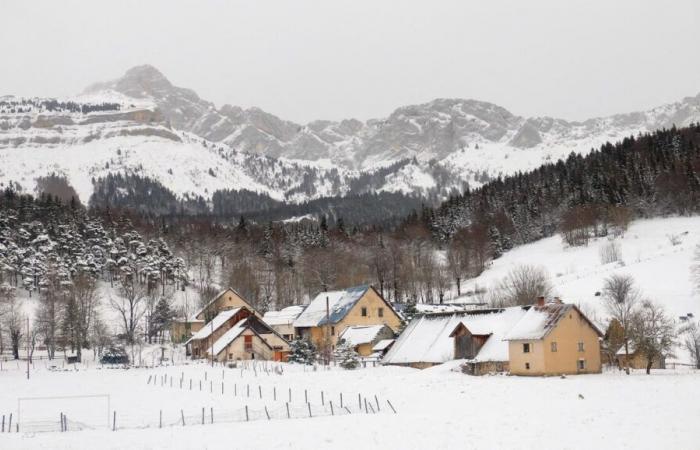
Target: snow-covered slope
{"type": "Point", "coordinates": [658, 253]}
{"type": "Point", "coordinates": [87, 138]}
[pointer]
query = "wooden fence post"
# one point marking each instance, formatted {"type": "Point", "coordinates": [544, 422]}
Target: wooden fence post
{"type": "Point", "coordinates": [331, 403]}
{"type": "Point", "coordinates": [267, 413]}
{"type": "Point", "coordinates": [287, 404]}
{"type": "Point", "coordinates": [260, 390]}
{"type": "Point", "coordinates": [309, 406]}
{"type": "Point", "coordinates": [182, 414]}
{"type": "Point", "coordinates": [160, 419]}
{"type": "Point", "coordinates": [322, 399]}
{"type": "Point", "coordinates": [306, 396]}
{"type": "Point", "coordinates": [274, 393]}
{"type": "Point", "coordinates": [211, 414]}
{"type": "Point", "coordinates": [359, 401]}
{"type": "Point", "coordinates": [246, 413]}
{"type": "Point", "coordinates": [202, 416]}
{"type": "Point", "coordinates": [9, 425]}
{"type": "Point", "coordinates": [391, 406]}
{"type": "Point", "coordinates": [341, 399]}
{"type": "Point", "coordinates": [377, 401]}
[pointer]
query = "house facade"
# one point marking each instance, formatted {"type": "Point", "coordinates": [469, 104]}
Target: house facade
{"type": "Point", "coordinates": [636, 360]}
{"type": "Point", "coordinates": [330, 313]}
{"type": "Point", "coordinates": [251, 338]}
{"type": "Point", "coordinates": [282, 321]}
{"type": "Point", "coordinates": [554, 339]}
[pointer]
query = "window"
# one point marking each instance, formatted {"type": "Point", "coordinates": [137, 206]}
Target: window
{"type": "Point", "coordinates": [332, 331]}
{"type": "Point", "coordinates": [527, 366]}
{"type": "Point", "coordinates": [580, 346]}
{"type": "Point", "coordinates": [364, 312]}
{"type": "Point", "coordinates": [554, 346]}
{"type": "Point", "coordinates": [380, 312]}
{"type": "Point", "coordinates": [581, 364]}
{"type": "Point", "coordinates": [526, 348]}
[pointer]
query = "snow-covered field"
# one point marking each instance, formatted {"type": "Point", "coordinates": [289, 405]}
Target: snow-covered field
{"type": "Point", "coordinates": [436, 408]}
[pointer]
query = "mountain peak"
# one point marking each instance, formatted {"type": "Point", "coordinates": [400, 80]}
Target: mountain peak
{"type": "Point", "coordinates": [145, 72]}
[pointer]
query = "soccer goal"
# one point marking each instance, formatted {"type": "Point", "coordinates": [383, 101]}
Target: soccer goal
{"type": "Point", "coordinates": [63, 413]}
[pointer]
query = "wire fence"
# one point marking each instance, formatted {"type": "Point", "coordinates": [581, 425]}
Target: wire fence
{"type": "Point", "coordinates": [203, 416]}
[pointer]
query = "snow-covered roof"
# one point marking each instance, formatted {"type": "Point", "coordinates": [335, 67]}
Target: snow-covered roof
{"type": "Point", "coordinates": [285, 316]}
{"type": "Point", "coordinates": [382, 345]}
{"type": "Point", "coordinates": [228, 337]}
{"type": "Point", "coordinates": [360, 334]}
{"type": "Point", "coordinates": [427, 337]}
{"type": "Point", "coordinates": [339, 304]}
{"type": "Point", "coordinates": [216, 297]}
{"type": "Point", "coordinates": [447, 307]}
{"type": "Point", "coordinates": [541, 320]}
{"type": "Point", "coordinates": [214, 324]}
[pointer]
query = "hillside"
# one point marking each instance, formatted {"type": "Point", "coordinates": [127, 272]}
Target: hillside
{"type": "Point", "coordinates": [658, 253]}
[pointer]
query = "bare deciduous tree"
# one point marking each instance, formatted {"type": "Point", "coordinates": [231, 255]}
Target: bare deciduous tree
{"type": "Point", "coordinates": [524, 284]}
{"type": "Point", "coordinates": [691, 341]}
{"type": "Point", "coordinates": [621, 298]}
{"type": "Point", "coordinates": [652, 332]}
{"type": "Point", "coordinates": [129, 304]}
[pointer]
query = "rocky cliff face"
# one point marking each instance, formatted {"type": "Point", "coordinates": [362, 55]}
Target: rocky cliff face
{"type": "Point", "coordinates": [430, 131]}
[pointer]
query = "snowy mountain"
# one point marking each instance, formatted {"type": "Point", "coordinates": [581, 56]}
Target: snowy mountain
{"type": "Point", "coordinates": [141, 125]}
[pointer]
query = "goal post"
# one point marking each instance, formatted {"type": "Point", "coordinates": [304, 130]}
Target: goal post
{"type": "Point", "coordinates": [91, 411]}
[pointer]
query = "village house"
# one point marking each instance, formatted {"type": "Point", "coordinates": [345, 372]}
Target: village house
{"type": "Point", "coordinates": [475, 335]}
{"type": "Point", "coordinates": [282, 321]}
{"type": "Point", "coordinates": [250, 338]}
{"type": "Point", "coordinates": [237, 334]}
{"type": "Point", "coordinates": [363, 338]}
{"type": "Point", "coordinates": [330, 313]}
{"type": "Point", "coordinates": [512, 339]}
{"type": "Point", "coordinates": [637, 360]}
{"type": "Point", "coordinates": [210, 332]}
{"type": "Point", "coordinates": [554, 338]}
{"type": "Point", "coordinates": [185, 327]}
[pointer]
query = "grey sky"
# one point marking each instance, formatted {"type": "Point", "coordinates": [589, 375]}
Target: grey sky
{"type": "Point", "coordinates": [305, 60]}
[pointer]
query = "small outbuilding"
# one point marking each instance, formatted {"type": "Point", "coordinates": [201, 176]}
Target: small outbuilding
{"type": "Point", "coordinates": [364, 337]}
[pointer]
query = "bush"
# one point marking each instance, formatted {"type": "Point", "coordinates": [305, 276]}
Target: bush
{"type": "Point", "coordinates": [610, 252]}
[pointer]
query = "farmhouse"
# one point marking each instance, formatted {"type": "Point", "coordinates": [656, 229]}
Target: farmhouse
{"type": "Point", "coordinates": [363, 338]}
{"type": "Point", "coordinates": [198, 344]}
{"type": "Point", "coordinates": [476, 336]}
{"type": "Point", "coordinates": [330, 313]}
{"type": "Point", "coordinates": [554, 338]}
{"type": "Point", "coordinates": [183, 328]}
{"type": "Point", "coordinates": [282, 321]}
{"type": "Point", "coordinates": [541, 339]}
{"type": "Point", "coordinates": [637, 360]}
{"type": "Point", "coordinates": [250, 338]}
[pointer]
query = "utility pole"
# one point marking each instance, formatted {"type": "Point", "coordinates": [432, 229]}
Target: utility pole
{"type": "Point", "coordinates": [28, 343]}
{"type": "Point", "coordinates": [328, 333]}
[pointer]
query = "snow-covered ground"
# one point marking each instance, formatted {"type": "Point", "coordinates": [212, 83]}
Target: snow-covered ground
{"type": "Point", "coordinates": [436, 409]}
{"type": "Point", "coordinates": [660, 267]}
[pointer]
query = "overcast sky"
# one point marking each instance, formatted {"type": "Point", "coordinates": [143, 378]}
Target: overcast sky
{"type": "Point", "coordinates": [305, 60]}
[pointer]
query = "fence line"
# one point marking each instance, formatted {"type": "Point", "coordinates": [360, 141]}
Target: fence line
{"type": "Point", "coordinates": [205, 416]}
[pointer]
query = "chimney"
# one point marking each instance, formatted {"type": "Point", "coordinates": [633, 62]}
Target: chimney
{"type": "Point", "coordinates": [540, 300]}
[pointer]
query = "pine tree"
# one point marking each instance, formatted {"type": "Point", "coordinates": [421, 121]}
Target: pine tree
{"type": "Point", "coordinates": [346, 356]}
{"type": "Point", "coordinates": [302, 351]}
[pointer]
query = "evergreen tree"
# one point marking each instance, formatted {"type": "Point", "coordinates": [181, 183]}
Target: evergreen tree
{"type": "Point", "coordinates": [302, 351]}
{"type": "Point", "coordinates": [346, 356]}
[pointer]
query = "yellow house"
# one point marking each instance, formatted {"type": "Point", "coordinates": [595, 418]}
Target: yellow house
{"type": "Point", "coordinates": [554, 338]}
{"type": "Point", "coordinates": [330, 313]}
{"type": "Point", "coordinates": [182, 329]}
